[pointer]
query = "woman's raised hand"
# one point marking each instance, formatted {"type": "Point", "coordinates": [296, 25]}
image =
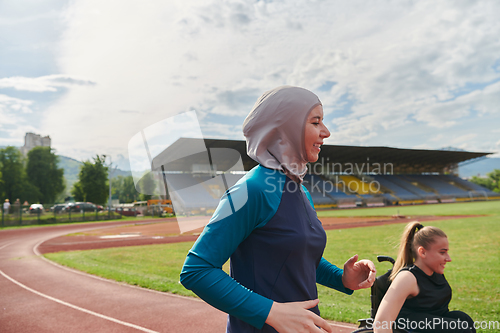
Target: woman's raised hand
{"type": "Point", "coordinates": [294, 317]}
{"type": "Point", "coordinates": [358, 274]}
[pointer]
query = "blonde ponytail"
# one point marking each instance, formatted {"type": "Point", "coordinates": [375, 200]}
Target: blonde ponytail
{"type": "Point", "coordinates": [405, 254]}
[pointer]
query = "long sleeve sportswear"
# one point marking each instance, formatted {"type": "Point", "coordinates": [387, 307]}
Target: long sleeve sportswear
{"type": "Point", "coordinates": [267, 225]}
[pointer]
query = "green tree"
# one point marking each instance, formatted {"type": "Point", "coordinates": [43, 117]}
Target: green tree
{"type": "Point", "coordinates": [77, 192]}
{"type": "Point", "coordinates": [92, 182]}
{"type": "Point", "coordinates": [129, 191]}
{"type": "Point", "coordinates": [495, 179]}
{"type": "Point", "coordinates": [1, 181]}
{"type": "Point", "coordinates": [147, 186]}
{"type": "Point", "coordinates": [42, 172]}
{"type": "Point", "coordinates": [124, 188]}
{"type": "Point", "coordinates": [61, 197]}
{"type": "Point", "coordinates": [492, 182]}
{"type": "Point", "coordinates": [15, 183]}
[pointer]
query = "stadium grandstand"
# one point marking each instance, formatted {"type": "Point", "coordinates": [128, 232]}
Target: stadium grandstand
{"type": "Point", "coordinates": [343, 176]}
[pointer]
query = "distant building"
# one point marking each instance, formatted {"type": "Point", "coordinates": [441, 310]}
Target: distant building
{"type": "Point", "coordinates": [32, 140]}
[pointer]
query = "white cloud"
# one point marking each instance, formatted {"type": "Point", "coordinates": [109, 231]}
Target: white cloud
{"type": "Point", "coordinates": [10, 105]}
{"type": "Point", "coordinates": [13, 124]}
{"type": "Point", "coordinates": [231, 102]}
{"type": "Point", "coordinates": [438, 138]}
{"type": "Point", "coordinates": [404, 66]}
{"type": "Point", "coordinates": [222, 131]}
{"type": "Point", "coordinates": [42, 84]}
{"type": "Point", "coordinates": [414, 63]}
{"type": "Point", "coordinates": [422, 146]}
{"type": "Point", "coordinates": [464, 138]}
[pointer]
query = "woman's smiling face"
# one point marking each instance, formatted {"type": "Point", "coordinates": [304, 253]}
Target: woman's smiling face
{"type": "Point", "coordinates": [315, 132]}
{"type": "Point", "coordinates": [435, 258]}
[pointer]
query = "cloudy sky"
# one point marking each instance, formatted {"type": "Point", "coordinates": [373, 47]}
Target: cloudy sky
{"type": "Point", "coordinates": [93, 74]}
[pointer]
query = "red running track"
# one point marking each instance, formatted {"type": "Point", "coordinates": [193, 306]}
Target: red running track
{"type": "Point", "coordinates": [37, 295]}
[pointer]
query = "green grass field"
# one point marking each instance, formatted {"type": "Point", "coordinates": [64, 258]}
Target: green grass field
{"type": "Point", "coordinates": [466, 208]}
{"type": "Point", "coordinates": [473, 273]}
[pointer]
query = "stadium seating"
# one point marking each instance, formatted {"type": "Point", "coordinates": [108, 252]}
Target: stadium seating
{"type": "Point", "coordinates": [194, 191]}
{"type": "Point", "coordinates": [350, 191]}
{"type": "Point", "coordinates": [415, 189]}
{"type": "Point", "coordinates": [394, 193]}
{"type": "Point", "coordinates": [198, 191]}
{"type": "Point", "coordinates": [317, 188]}
{"type": "Point", "coordinates": [325, 192]}
{"type": "Point", "coordinates": [329, 187]}
{"type": "Point", "coordinates": [474, 190]}
{"type": "Point", "coordinates": [357, 185]}
{"type": "Point", "coordinates": [365, 189]}
{"type": "Point", "coordinates": [413, 186]}
{"type": "Point", "coordinates": [391, 198]}
{"type": "Point", "coordinates": [445, 191]}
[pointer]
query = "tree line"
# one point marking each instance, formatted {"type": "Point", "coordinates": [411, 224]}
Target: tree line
{"type": "Point", "coordinates": [37, 179]}
{"type": "Point", "coordinates": [93, 186]}
{"type": "Point", "coordinates": [491, 181]}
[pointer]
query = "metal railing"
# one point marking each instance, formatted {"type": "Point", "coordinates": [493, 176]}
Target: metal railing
{"type": "Point", "coordinates": [16, 216]}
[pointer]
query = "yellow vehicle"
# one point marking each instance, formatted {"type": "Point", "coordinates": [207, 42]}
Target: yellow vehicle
{"type": "Point", "coordinates": [165, 205]}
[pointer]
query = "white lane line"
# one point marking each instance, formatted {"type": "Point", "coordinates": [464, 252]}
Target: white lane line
{"type": "Point", "coordinates": [122, 284]}
{"type": "Point", "coordinates": [6, 245]}
{"type": "Point", "coordinates": [38, 254]}
{"type": "Point", "coordinates": [77, 307]}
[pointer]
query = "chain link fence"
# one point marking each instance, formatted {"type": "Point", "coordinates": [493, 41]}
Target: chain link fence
{"type": "Point", "coordinates": [53, 214]}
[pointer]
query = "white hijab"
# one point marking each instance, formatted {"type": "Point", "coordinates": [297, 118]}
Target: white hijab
{"type": "Point", "coordinates": [274, 130]}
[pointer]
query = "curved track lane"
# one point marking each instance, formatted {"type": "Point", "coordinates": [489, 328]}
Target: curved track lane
{"type": "Point", "coordinates": [39, 296]}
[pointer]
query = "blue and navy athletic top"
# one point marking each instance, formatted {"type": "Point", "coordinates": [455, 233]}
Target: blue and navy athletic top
{"type": "Point", "coordinates": [275, 242]}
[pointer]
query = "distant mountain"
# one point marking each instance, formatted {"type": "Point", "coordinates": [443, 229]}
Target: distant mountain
{"type": "Point", "coordinates": [481, 167]}
{"type": "Point", "coordinates": [72, 168]}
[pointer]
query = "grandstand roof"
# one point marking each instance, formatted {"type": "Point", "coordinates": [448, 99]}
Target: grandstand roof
{"type": "Point", "coordinates": [185, 152]}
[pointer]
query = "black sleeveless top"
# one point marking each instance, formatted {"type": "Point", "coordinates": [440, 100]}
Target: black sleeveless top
{"type": "Point", "coordinates": [434, 295]}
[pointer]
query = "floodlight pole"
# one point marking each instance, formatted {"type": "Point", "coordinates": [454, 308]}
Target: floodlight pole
{"type": "Point", "coordinates": [111, 171]}
{"type": "Point", "coordinates": [110, 174]}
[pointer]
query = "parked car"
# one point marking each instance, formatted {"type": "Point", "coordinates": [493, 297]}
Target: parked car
{"type": "Point", "coordinates": [57, 208]}
{"type": "Point", "coordinates": [79, 206]}
{"type": "Point", "coordinates": [36, 208]}
{"type": "Point", "coordinates": [127, 211]}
